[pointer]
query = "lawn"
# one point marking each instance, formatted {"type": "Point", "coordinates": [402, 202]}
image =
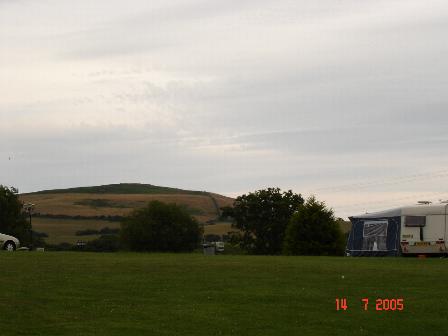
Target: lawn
{"type": "Point", "coordinates": [190, 294]}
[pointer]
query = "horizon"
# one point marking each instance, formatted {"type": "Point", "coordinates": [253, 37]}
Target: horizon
{"type": "Point", "coordinates": [410, 203]}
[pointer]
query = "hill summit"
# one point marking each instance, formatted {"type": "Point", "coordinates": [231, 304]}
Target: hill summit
{"type": "Point", "coordinates": [121, 188]}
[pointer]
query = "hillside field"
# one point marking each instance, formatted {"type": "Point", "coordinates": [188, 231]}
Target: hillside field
{"type": "Point", "coordinates": [191, 294]}
{"type": "Point", "coordinates": [89, 204]}
{"type": "Point", "coordinates": [203, 207]}
{"type": "Point", "coordinates": [61, 212]}
{"type": "Point", "coordinates": [64, 230]}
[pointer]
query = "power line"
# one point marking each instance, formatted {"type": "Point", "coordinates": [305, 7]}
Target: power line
{"type": "Point", "coordinates": [389, 181]}
{"type": "Point", "coordinates": [391, 202]}
{"type": "Point", "coordinates": [414, 197]}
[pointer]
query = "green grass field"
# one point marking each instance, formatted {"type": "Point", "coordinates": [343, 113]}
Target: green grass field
{"type": "Point", "coordinates": [190, 294]}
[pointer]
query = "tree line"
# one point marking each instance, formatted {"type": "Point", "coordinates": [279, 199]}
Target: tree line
{"type": "Point", "coordinates": [267, 221]}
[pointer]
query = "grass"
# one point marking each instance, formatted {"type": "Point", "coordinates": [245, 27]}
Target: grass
{"type": "Point", "coordinates": [190, 294]}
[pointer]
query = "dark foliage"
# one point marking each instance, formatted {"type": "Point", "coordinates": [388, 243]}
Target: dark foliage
{"type": "Point", "coordinates": [227, 214]}
{"type": "Point", "coordinates": [60, 247]}
{"type": "Point", "coordinates": [313, 230]}
{"type": "Point", "coordinates": [107, 243]}
{"type": "Point", "coordinates": [37, 234]}
{"type": "Point", "coordinates": [87, 232]}
{"type": "Point", "coordinates": [212, 238]}
{"type": "Point", "coordinates": [104, 231]}
{"type": "Point", "coordinates": [160, 227]}
{"type": "Point", "coordinates": [108, 231]}
{"type": "Point", "coordinates": [13, 220]}
{"type": "Point", "coordinates": [263, 216]}
{"type": "Point", "coordinates": [101, 203]}
{"type": "Point", "coordinates": [109, 218]}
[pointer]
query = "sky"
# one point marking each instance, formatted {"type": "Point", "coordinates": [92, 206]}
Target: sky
{"type": "Point", "coordinates": [346, 100]}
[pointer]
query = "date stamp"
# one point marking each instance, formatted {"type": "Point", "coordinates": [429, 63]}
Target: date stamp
{"type": "Point", "coordinates": [380, 304]}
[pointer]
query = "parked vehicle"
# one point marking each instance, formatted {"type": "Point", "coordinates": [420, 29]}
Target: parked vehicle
{"type": "Point", "coordinates": [219, 245]}
{"type": "Point", "coordinates": [8, 243]}
{"type": "Point", "coordinates": [418, 229]}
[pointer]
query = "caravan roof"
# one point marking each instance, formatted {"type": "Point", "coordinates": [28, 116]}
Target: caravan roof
{"type": "Point", "coordinates": [412, 210]}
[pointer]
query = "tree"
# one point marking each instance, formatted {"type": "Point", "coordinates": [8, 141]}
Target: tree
{"type": "Point", "coordinates": [313, 230]}
{"type": "Point", "coordinates": [160, 227]}
{"type": "Point", "coordinates": [13, 220]}
{"type": "Point", "coordinates": [105, 243]}
{"type": "Point", "coordinates": [262, 216]}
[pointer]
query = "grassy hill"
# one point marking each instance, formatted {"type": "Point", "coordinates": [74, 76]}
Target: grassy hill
{"type": "Point", "coordinates": [191, 294]}
{"type": "Point", "coordinates": [62, 212]}
{"type": "Point", "coordinates": [121, 188]}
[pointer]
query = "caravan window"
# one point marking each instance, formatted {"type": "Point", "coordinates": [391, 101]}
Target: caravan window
{"type": "Point", "coordinates": [415, 221]}
{"type": "Point", "coordinates": [375, 228]}
{"type": "Point", "coordinates": [375, 235]}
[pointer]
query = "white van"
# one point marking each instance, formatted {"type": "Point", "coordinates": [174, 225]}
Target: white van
{"type": "Point", "coordinates": [8, 243]}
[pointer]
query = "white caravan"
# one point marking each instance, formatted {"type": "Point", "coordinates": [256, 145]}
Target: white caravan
{"type": "Point", "coordinates": [417, 229]}
{"type": "Point", "coordinates": [424, 229]}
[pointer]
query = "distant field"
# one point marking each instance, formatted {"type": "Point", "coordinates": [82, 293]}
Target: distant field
{"type": "Point", "coordinates": [220, 228]}
{"type": "Point", "coordinates": [345, 226]}
{"type": "Point", "coordinates": [114, 200]}
{"type": "Point", "coordinates": [64, 230]}
{"type": "Point", "coordinates": [190, 294]}
{"type": "Point", "coordinates": [77, 204]}
{"type": "Point", "coordinates": [120, 200]}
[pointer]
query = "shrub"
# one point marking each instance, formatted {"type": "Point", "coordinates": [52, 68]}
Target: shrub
{"type": "Point", "coordinates": [108, 243]}
{"type": "Point", "coordinates": [262, 218]}
{"type": "Point", "coordinates": [13, 219]}
{"type": "Point", "coordinates": [313, 230]}
{"type": "Point", "coordinates": [108, 231]}
{"type": "Point", "coordinates": [212, 238]}
{"type": "Point", "coordinates": [160, 227]}
{"type": "Point", "coordinates": [87, 232]}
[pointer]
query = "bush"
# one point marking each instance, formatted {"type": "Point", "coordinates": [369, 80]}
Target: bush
{"type": "Point", "coordinates": [13, 220]}
{"type": "Point", "coordinates": [37, 234]}
{"type": "Point", "coordinates": [161, 227]}
{"type": "Point", "coordinates": [262, 217]}
{"type": "Point", "coordinates": [87, 232]}
{"type": "Point", "coordinates": [108, 231]}
{"type": "Point", "coordinates": [313, 230]}
{"type": "Point", "coordinates": [60, 247]}
{"type": "Point", "coordinates": [212, 238]}
{"type": "Point", "coordinates": [108, 243]}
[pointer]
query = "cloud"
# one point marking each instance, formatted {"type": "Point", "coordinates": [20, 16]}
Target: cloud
{"type": "Point", "coordinates": [227, 97]}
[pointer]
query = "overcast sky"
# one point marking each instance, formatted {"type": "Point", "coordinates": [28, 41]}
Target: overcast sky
{"type": "Point", "coordinates": [347, 99]}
